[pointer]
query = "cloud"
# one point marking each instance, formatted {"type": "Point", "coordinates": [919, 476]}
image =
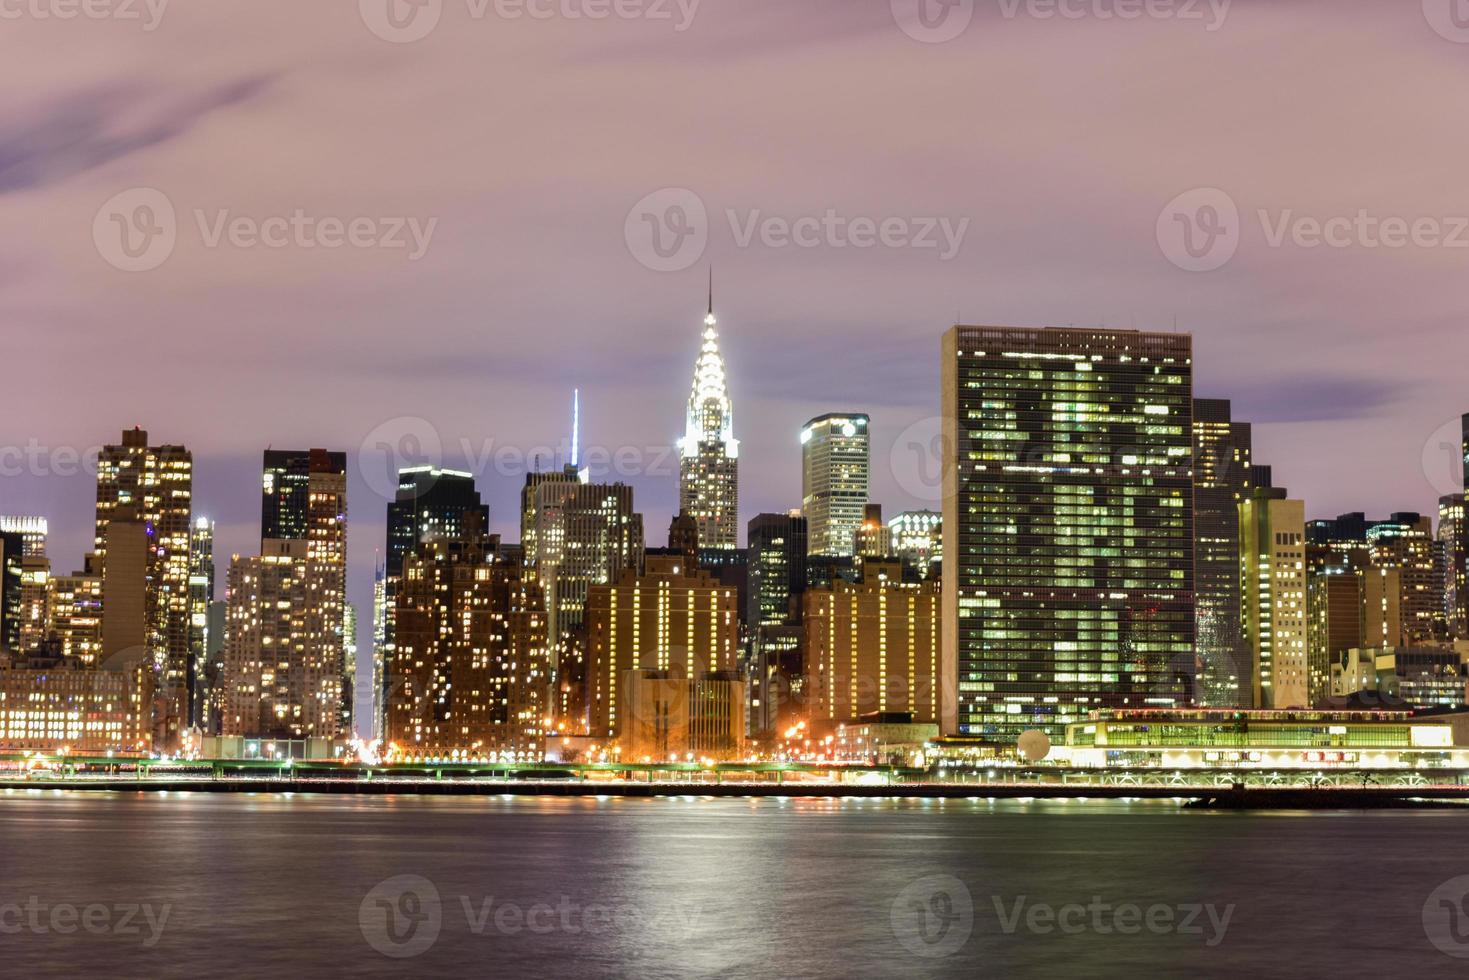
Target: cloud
{"type": "Point", "coordinates": [83, 131]}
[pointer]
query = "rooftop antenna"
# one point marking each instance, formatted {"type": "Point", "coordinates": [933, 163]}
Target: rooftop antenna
{"type": "Point", "coordinates": [711, 290]}
{"type": "Point", "coordinates": [575, 426]}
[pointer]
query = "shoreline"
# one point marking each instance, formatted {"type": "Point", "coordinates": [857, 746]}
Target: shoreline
{"type": "Point", "coordinates": [1191, 797]}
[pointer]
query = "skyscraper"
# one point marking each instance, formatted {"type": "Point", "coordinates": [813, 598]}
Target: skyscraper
{"type": "Point", "coordinates": [12, 549]}
{"type": "Point", "coordinates": [1222, 479]}
{"type": "Point", "coordinates": [1273, 590]}
{"type": "Point", "coordinates": [1067, 523]}
{"type": "Point", "coordinates": [201, 594]}
{"type": "Point", "coordinates": [281, 676]}
{"type": "Point", "coordinates": [304, 498]}
{"type": "Point", "coordinates": [918, 539]}
{"type": "Point", "coordinates": [1452, 538]}
{"type": "Point", "coordinates": [431, 504]}
{"type": "Point", "coordinates": [32, 531]}
{"type": "Point", "coordinates": [153, 485]}
{"type": "Point", "coordinates": [835, 473]}
{"type": "Point", "coordinates": [708, 451]}
{"type": "Point", "coordinates": [776, 546]}
{"type": "Point", "coordinates": [471, 676]}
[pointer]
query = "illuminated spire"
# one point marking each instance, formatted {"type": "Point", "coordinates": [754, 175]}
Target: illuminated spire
{"type": "Point", "coordinates": [710, 415]}
{"type": "Point", "coordinates": [575, 425]}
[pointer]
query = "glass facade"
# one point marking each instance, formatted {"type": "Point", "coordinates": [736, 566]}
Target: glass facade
{"type": "Point", "coordinates": [1068, 525]}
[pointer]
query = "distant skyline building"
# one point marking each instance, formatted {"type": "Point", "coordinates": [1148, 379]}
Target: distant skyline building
{"type": "Point", "coordinates": [1067, 526]}
{"type": "Point", "coordinates": [709, 452]}
{"type": "Point", "coordinates": [679, 622]}
{"type": "Point", "coordinates": [12, 551]}
{"type": "Point", "coordinates": [471, 673]}
{"type": "Point", "coordinates": [835, 481]}
{"type": "Point", "coordinates": [153, 486]}
{"type": "Point", "coordinates": [1452, 538]}
{"type": "Point", "coordinates": [304, 498]}
{"type": "Point", "coordinates": [873, 646]}
{"type": "Point", "coordinates": [1223, 477]}
{"type": "Point", "coordinates": [32, 531]}
{"type": "Point", "coordinates": [776, 555]}
{"type": "Point", "coordinates": [281, 675]}
{"type": "Point", "coordinates": [1274, 589]}
{"type": "Point", "coordinates": [918, 539]}
{"type": "Point", "coordinates": [201, 594]}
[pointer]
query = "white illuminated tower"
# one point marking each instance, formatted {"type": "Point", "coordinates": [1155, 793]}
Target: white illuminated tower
{"type": "Point", "coordinates": [709, 452]}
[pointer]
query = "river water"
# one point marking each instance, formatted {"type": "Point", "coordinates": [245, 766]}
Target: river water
{"type": "Point", "coordinates": [299, 885]}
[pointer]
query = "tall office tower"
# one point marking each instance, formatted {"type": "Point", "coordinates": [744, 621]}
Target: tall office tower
{"type": "Point", "coordinates": [349, 672]}
{"type": "Point", "coordinates": [1452, 536]}
{"type": "Point", "coordinates": [218, 615]}
{"type": "Point", "coordinates": [35, 575]}
{"type": "Point", "coordinates": [431, 504]}
{"type": "Point", "coordinates": [708, 469]}
{"type": "Point", "coordinates": [918, 539]}
{"type": "Point", "coordinates": [586, 534]}
{"type": "Point", "coordinates": [835, 474]}
{"type": "Point", "coordinates": [873, 646]}
{"type": "Point", "coordinates": [677, 621]}
{"type": "Point", "coordinates": [1382, 608]}
{"type": "Point", "coordinates": [74, 616]}
{"type": "Point", "coordinates": [32, 531]}
{"type": "Point", "coordinates": [1405, 541]}
{"type": "Point", "coordinates": [201, 594]}
{"type": "Point", "coordinates": [529, 513]}
{"type": "Point", "coordinates": [776, 547]}
{"type": "Point", "coordinates": [470, 674]}
{"type": "Point", "coordinates": [281, 675]}
{"type": "Point", "coordinates": [155, 484]}
{"type": "Point", "coordinates": [1068, 526]}
{"type": "Point", "coordinates": [1222, 479]}
{"type": "Point", "coordinates": [873, 540]}
{"type": "Point", "coordinates": [12, 620]}
{"type": "Point", "coordinates": [379, 651]}
{"type": "Point", "coordinates": [304, 498]}
{"type": "Point", "coordinates": [1273, 590]}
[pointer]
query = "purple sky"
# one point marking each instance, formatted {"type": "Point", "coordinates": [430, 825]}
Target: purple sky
{"type": "Point", "coordinates": [1061, 140]}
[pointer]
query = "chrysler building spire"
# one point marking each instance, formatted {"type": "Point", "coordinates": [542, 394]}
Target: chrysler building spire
{"type": "Point", "coordinates": [708, 470]}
